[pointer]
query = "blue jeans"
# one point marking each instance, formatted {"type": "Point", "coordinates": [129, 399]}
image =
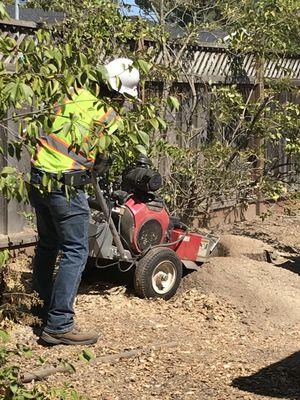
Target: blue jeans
{"type": "Point", "coordinates": [62, 226]}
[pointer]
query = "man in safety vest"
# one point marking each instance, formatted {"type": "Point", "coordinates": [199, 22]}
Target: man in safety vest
{"type": "Point", "coordinates": [62, 223]}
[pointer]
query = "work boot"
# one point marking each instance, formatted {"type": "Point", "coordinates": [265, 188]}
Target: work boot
{"type": "Point", "coordinates": [73, 337]}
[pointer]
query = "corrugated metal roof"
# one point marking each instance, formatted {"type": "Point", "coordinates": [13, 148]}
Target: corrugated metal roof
{"type": "Point", "coordinates": [36, 15]}
{"type": "Point", "coordinates": [204, 36]}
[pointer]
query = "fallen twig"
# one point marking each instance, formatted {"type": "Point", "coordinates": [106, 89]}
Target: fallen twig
{"type": "Point", "coordinates": [42, 373]}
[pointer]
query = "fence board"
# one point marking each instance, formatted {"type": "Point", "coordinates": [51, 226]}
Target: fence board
{"type": "Point", "coordinates": [204, 63]}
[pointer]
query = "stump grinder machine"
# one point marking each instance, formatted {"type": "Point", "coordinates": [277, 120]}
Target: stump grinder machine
{"type": "Point", "coordinates": [131, 228]}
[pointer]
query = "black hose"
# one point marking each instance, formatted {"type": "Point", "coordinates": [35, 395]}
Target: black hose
{"type": "Point", "coordinates": [143, 253]}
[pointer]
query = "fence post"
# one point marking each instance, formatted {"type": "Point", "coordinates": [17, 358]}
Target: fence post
{"type": "Point", "coordinates": [258, 141]}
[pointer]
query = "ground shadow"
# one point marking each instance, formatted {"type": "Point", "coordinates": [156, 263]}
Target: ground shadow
{"type": "Point", "coordinates": [278, 380]}
{"type": "Point", "coordinates": [104, 279]}
{"type": "Point", "coordinates": [292, 264]}
{"type": "Point", "coordinates": [94, 279]}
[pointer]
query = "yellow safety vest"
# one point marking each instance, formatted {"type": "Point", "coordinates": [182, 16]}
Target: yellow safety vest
{"type": "Point", "coordinates": [54, 153]}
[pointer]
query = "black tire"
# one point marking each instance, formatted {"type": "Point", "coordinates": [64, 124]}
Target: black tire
{"type": "Point", "coordinates": [150, 273]}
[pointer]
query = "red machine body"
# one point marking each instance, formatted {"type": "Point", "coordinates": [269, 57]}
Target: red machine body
{"type": "Point", "coordinates": [132, 227]}
{"type": "Point", "coordinates": [145, 224]}
{"type": "Point", "coordinates": [192, 247]}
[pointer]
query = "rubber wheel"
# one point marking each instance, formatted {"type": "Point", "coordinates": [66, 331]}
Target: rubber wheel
{"type": "Point", "coordinates": [158, 274]}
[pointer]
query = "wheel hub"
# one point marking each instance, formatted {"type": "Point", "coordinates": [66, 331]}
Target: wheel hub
{"type": "Point", "coordinates": [164, 277]}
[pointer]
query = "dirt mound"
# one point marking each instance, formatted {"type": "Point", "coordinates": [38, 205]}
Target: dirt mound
{"type": "Point", "coordinates": [280, 231]}
{"type": "Point", "coordinates": [239, 246]}
{"type": "Point", "coordinates": [266, 293]}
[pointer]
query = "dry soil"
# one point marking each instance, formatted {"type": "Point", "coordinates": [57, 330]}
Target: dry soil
{"type": "Point", "coordinates": [234, 326]}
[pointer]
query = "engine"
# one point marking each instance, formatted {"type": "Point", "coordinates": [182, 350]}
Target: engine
{"type": "Point", "coordinates": [145, 220]}
{"type": "Point", "coordinates": [144, 224]}
{"type": "Point", "coordinates": [139, 215]}
{"type": "Point", "coordinates": [139, 220]}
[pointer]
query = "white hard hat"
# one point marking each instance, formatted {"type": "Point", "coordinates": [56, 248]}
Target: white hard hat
{"type": "Point", "coordinates": [122, 77]}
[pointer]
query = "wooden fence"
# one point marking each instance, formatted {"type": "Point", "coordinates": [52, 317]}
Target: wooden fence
{"type": "Point", "coordinates": [216, 64]}
{"type": "Point", "coordinates": [203, 63]}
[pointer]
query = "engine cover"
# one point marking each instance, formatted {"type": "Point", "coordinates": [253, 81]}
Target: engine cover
{"type": "Point", "coordinates": [144, 224]}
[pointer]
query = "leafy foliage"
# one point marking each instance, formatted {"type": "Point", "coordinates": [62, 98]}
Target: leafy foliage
{"type": "Point", "coordinates": [221, 168]}
{"type": "Point", "coordinates": [16, 298]}
{"type": "Point", "coordinates": [263, 26]}
{"type": "Point", "coordinates": [182, 12]}
{"type": "Point", "coordinates": [96, 28]}
{"type": "Point", "coordinates": [11, 387]}
{"type": "Point", "coordinates": [93, 31]}
{"type": "Point", "coordinates": [46, 73]}
{"type": "Point", "coordinates": [226, 162]}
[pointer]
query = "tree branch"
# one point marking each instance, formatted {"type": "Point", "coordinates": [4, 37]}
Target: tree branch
{"type": "Point", "coordinates": [42, 373]}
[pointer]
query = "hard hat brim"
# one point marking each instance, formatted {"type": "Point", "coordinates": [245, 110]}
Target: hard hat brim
{"type": "Point", "coordinates": [130, 92]}
{"type": "Point", "coordinates": [123, 89]}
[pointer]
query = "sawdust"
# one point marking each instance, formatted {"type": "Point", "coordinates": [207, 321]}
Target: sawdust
{"type": "Point", "coordinates": [239, 246]}
{"type": "Point", "coordinates": [236, 323]}
{"type": "Point", "coordinates": [266, 292]}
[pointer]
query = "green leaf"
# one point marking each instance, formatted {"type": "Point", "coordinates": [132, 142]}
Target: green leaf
{"type": "Point", "coordinates": [8, 170]}
{"type": "Point", "coordinates": [21, 188]}
{"type": "Point", "coordinates": [41, 360]}
{"type": "Point", "coordinates": [49, 54]}
{"type": "Point", "coordinates": [12, 90]}
{"type": "Point", "coordinates": [14, 387]}
{"type": "Point", "coordinates": [162, 122]}
{"type": "Point", "coordinates": [144, 66]}
{"type": "Point", "coordinates": [154, 123]}
{"type": "Point", "coordinates": [173, 103]}
{"type": "Point", "coordinates": [30, 46]}
{"type": "Point", "coordinates": [144, 137]}
{"type": "Point", "coordinates": [68, 48]}
{"type": "Point", "coordinates": [102, 73]}
{"type": "Point", "coordinates": [133, 137]}
{"type": "Point", "coordinates": [55, 87]}
{"type": "Point", "coordinates": [83, 60]}
{"type": "Point", "coordinates": [3, 12]}
{"type": "Point", "coordinates": [24, 350]}
{"type": "Point", "coordinates": [141, 149]}
{"type": "Point", "coordinates": [27, 92]}
{"type": "Point", "coordinates": [104, 142]}
{"type": "Point", "coordinates": [27, 353]}
{"type": "Point", "coordinates": [28, 395]}
{"type": "Point", "coordinates": [67, 127]}
{"type": "Point", "coordinates": [58, 57]}
{"type": "Point", "coordinates": [87, 355]}
{"type": "Point", "coordinates": [116, 140]}
{"type": "Point", "coordinates": [92, 76]}
{"type": "Point", "coordinates": [45, 180]}
{"type": "Point", "coordinates": [49, 186]}
{"type": "Point", "coordinates": [4, 336]}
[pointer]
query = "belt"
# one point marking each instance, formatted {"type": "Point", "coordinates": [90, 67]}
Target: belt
{"type": "Point", "coordinates": [76, 179]}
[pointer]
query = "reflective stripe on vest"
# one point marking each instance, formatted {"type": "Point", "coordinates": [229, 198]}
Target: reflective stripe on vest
{"type": "Point", "coordinates": [62, 148]}
{"type": "Point", "coordinates": [55, 153]}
